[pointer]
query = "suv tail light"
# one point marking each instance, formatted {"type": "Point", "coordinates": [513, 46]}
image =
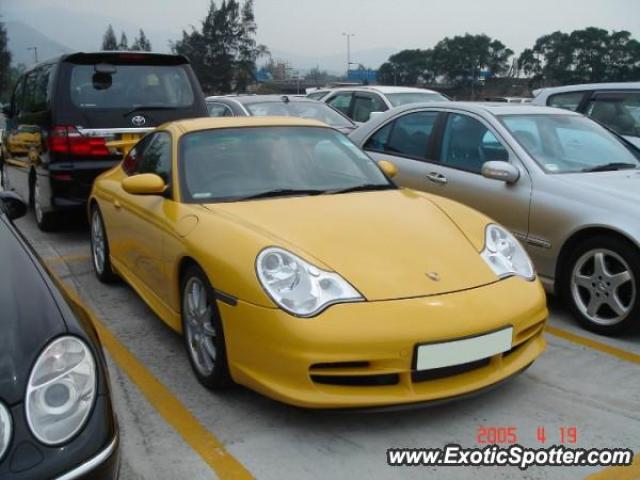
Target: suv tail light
{"type": "Point", "coordinates": [69, 140]}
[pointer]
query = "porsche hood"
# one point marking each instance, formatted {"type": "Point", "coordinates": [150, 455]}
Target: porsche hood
{"type": "Point", "coordinates": [389, 245]}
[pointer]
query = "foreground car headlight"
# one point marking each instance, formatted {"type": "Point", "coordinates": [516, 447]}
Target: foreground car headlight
{"type": "Point", "coordinates": [505, 255]}
{"type": "Point", "coordinates": [61, 390]}
{"type": "Point", "coordinates": [299, 287]}
{"type": "Point", "coordinates": [5, 429]}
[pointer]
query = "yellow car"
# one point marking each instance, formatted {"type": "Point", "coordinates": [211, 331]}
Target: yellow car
{"type": "Point", "coordinates": [295, 267]}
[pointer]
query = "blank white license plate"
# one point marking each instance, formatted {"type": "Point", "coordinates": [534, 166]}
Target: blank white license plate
{"type": "Point", "coordinates": [457, 352]}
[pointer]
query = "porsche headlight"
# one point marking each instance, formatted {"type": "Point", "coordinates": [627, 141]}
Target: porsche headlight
{"type": "Point", "coordinates": [61, 390]}
{"type": "Point", "coordinates": [505, 255]}
{"type": "Point", "coordinates": [5, 429]}
{"type": "Point", "coordinates": [299, 287]}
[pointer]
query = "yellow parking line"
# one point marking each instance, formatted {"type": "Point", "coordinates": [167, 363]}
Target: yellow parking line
{"type": "Point", "coordinates": [205, 444]}
{"type": "Point", "coordinates": [595, 345]}
{"type": "Point", "coordinates": [66, 258]}
{"type": "Point", "coordinates": [631, 472]}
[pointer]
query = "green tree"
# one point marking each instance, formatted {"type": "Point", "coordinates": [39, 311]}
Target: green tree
{"type": "Point", "coordinates": [141, 43]}
{"type": "Point", "coordinates": [5, 64]}
{"type": "Point", "coordinates": [124, 42]}
{"type": "Point", "coordinates": [109, 41]}
{"type": "Point", "coordinates": [461, 59]}
{"type": "Point", "coordinates": [407, 67]}
{"type": "Point", "coordinates": [588, 55]}
{"type": "Point", "coordinates": [223, 52]}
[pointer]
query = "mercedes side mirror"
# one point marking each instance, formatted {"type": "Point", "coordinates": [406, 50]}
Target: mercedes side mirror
{"type": "Point", "coordinates": [500, 170]}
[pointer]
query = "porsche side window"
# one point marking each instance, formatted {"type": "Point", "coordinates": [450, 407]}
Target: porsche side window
{"type": "Point", "coordinates": [467, 144]}
{"type": "Point", "coordinates": [132, 160]}
{"type": "Point", "coordinates": [156, 157]}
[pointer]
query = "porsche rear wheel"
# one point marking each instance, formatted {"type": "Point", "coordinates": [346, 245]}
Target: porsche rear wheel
{"type": "Point", "coordinates": [202, 330]}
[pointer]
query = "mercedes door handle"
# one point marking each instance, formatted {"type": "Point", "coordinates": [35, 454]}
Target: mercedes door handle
{"type": "Point", "coordinates": [437, 178]}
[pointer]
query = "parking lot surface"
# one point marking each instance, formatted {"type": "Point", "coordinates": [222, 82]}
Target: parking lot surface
{"type": "Point", "coordinates": [172, 427]}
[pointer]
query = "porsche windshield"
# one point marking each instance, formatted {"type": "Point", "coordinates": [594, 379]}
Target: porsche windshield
{"type": "Point", "coordinates": [570, 143]}
{"type": "Point", "coordinates": [257, 162]}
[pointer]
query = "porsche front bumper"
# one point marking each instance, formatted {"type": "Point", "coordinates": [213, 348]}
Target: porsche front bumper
{"type": "Point", "coordinates": [363, 354]}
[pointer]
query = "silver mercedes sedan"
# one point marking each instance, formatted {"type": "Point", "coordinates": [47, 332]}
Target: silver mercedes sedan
{"type": "Point", "coordinates": [567, 187]}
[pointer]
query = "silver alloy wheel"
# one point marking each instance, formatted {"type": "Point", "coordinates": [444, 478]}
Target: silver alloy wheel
{"type": "Point", "coordinates": [198, 323]}
{"type": "Point", "coordinates": [98, 246]}
{"type": "Point", "coordinates": [37, 207]}
{"type": "Point", "coordinates": [603, 287]}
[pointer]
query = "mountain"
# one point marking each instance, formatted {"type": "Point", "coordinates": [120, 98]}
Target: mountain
{"type": "Point", "coordinates": [88, 28]}
{"type": "Point", "coordinates": [22, 37]}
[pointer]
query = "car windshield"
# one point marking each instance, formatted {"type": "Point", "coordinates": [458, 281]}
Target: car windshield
{"type": "Point", "coordinates": [130, 86]}
{"type": "Point", "coordinates": [240, 163]}
{"type": "Point", "coordinates": [569, 143]}
{"type": "Point", "coordinates": [398, 99]}
{"type": "Point", "coordinates": [312, 110]}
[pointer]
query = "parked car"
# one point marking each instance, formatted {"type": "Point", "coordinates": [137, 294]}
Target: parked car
{"type": "Point", "coordinates": [66, 114]}
{"type": "Point", "coordinates": [509, 99]}
{"type": "Point", "coordinates": [359, 103]}
{"type": "Point", "coordinates": [564, 185]}
{"type": "Point", "coordinates": [56, 416]}
{"type": "Point", "coordinates": [295, 267]}
{"type": "Point", "coordinates": [278, 105]}
{"type": "Point", "coordinates": [319, 94]}
{"type": "Point", "coordinates": [615, 105]}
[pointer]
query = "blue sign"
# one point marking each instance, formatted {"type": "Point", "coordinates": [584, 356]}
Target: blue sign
{"type": "Point", "coordinates": [363, 75]}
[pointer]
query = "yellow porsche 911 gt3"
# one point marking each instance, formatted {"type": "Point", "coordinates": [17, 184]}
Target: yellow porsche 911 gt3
{"type": "Point", "coordinates": [295, 267]}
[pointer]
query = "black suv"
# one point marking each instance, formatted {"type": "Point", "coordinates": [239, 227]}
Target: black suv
{"type": "Point", "coordinates": [70, 119]}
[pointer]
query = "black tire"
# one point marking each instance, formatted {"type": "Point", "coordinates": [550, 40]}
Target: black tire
{"type": "Point", "coordinates": [46, 221]}
{"type": "Point", "coordinates": [102, 267]}
{"type": "Point", "coordinates": [619, 309]}
{"type": "Point", "coordinates": [218, 377]}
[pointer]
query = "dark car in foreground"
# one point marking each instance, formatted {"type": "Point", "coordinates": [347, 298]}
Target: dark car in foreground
{"type": "Point", "coordinates": [56, 417]}
{"type": "Point", "coordinates": [68, 114]}
{"type": "Point", "coordinates": [278, 106]}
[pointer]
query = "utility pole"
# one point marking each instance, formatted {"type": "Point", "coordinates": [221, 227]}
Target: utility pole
{"type": "Point", "coordinates": [35, 52]}
{"type": "Point", "coordinates": [348, 35]}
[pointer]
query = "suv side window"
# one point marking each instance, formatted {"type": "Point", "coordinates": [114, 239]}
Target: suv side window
{"type": "Point", "coordinates": [408, 135]}
{"type": "Point", "coordinates": [467, 144]}
{"type": "Point", "coordinates": [620, 111]}
{"type": "Point", "coordinates": [341, 102]}
{"type": "Point", "coordinates": [156, 157]}
{"type": "Point", "coordinates": [364, 104]}
{"type": "Point", "coordinates": [569, 100]}
{"type": "Point", "coordinates": [17, 102]}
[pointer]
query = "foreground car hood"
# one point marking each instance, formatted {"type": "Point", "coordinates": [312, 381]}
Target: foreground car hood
{"type": "Point", "coordinates": [384, 243]}
{"type": "Point", "coordinates": [29, 316]}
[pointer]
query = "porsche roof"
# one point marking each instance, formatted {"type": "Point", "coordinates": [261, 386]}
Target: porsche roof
{"type": "Point", "coordinates": [208, 123]}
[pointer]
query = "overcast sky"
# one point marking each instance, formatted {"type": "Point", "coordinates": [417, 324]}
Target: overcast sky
{"type": "Point", "coordinates": [314, 27]}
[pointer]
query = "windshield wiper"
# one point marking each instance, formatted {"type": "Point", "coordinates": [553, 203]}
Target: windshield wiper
{"type": "Point", "coordinates": [148, 107]}
{"type": "Point", "coordinates": [610, 166]}
{"type": "Point", "coordinates": [283, 192]}
{"type": "Point", "coordinates": [364, 187]}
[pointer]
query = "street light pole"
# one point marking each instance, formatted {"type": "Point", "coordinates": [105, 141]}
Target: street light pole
{"type": "Point", "coordinates": [348, 35]}
{"type": "Point", "coordinates": [35, 52]}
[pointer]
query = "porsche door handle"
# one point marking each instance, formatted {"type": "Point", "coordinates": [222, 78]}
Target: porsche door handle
{"type": "Point", "coordinates": [117, 205]}
{"type": "Point", "coordinates": [437, 178]}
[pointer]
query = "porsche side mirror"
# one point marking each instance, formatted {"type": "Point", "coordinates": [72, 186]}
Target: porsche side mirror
{"type": "Point", "coordinates": [144, 184]}
{"type": "Point", "coordinates": [12, 205]}
{"type": "Point", "coordinates": [500, 170]}
{"type": "Point", "coordinates": [388, 168]}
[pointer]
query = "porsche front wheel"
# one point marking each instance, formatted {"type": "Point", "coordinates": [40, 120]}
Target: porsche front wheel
{"type": "Point", "coordinates": [202, 330]}
{"type": "Point", "coordinates": [100, 248]}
